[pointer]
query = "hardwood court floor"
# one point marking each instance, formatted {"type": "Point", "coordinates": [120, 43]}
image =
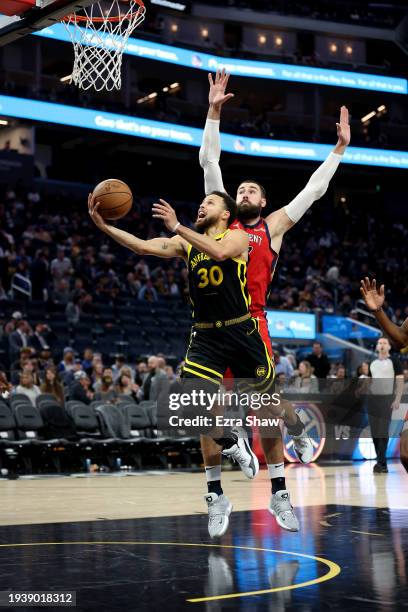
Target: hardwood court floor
{"type": "Point", "coordinates": [141, 543]}
{"type": "Point", "coordinates": [155, 494]}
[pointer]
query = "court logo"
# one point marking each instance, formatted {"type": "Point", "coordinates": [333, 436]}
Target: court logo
{"type": "Point", "coordinates": [261, 371]}
{"type": "Point", "coordinates": [315, 428]}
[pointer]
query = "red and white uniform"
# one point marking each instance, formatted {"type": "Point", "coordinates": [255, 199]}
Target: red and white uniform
{"type": "Point", "coordinates": [262, 258]}
{"type": "Point", "coordinates": [260, 271]}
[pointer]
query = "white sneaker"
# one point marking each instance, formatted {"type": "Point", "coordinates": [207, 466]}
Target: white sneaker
{"type": "Point", "coordinates": [303, 446]}
{"type": "Point", "coordinates": [219, 509]}
{"type": "Point", "coordinates": [241, 453]}
{"type": "Point", "coordinates": [281, 508]}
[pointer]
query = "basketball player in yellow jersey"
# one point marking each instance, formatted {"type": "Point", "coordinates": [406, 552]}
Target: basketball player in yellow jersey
{"type": "Point", "coordinates": [224, 333]}
{"type": "Point", "coordinates": [374, 298]}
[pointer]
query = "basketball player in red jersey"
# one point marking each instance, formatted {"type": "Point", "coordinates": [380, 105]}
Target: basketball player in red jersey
{"type": "Point", "coordinates": [265, 240]}
{"type": "Point", "coordinates": [374, 298]}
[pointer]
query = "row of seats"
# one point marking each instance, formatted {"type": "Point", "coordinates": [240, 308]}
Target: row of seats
{"type": "Point", "coordinates": [136, 328]}
{"type": "Point", "coordinates": [48, 436]}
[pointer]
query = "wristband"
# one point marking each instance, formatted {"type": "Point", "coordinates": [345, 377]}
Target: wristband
{"type": "Point", "coordinates": [176, 226]}
{"type": "Point", "coordinates": [377, 309]}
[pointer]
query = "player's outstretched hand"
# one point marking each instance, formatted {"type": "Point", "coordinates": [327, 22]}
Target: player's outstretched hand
{"type": "Point", "coordinates": [343, 127]}
{"type": "Point", "coordinates": [162, 210]}
{"type": "Point", "coordinates": [373, 297]}
{"type": "Point", "coordinates": [94, 214]}
{"type": "Point", "coordinates": [217, 96]}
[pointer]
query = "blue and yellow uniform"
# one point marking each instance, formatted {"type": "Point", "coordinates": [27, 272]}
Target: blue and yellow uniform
{"type": "Point", "coordinates": [224, 335]}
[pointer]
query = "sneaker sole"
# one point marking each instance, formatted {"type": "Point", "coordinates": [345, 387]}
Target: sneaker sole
{"type": "Point", "coordinates": [285, 527]}
{"type": "Point", "coordinates": [304, 462]}
{"type": "Point", "coordinates": [301, 458]}
{"type": "Point", "coordinates": [219, 535]}
{"type": "Point", "coordinates": [254, 460]}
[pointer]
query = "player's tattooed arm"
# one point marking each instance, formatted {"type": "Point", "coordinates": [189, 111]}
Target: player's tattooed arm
{"type": "Point", "coordinates": [160, 247]}
{"type": "Point", "coordinates": [374, 298]}
{"type": "Point", "coordinates": [234, 244]}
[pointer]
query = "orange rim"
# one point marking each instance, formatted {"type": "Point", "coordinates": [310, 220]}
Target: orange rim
{"type": "Point", "coordinates": [74, 17]}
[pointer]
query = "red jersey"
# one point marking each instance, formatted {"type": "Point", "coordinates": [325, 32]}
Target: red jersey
{"type": "Point", "coordinates": [261, 265]}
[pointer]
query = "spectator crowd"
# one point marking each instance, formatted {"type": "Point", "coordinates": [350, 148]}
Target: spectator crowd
{"type": "Point", "coordinates": [52, 256]}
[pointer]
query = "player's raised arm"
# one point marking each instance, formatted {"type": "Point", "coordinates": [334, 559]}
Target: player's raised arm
{"type": "Point", "coordinates": [234, 244]}
{"type": "Point", "coordinates": [283, 219]}
{"type": "Point", "coordinates": [374, 298]}
{"type": "Point", "coordinates": [210, 150]}
{"type": "Point", "coordinates": [161, 247]}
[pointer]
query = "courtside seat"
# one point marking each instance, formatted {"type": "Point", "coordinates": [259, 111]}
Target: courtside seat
{"type": "Point", "coordinates": [30, 426]}
{"type": "Point", "coordinates": [87, 425]}
{"type": "Point", "coordinates": [44, 398]}
{"type": "Point", "coordinates": [30, 432]}
{"type": "Point", "coordinates": [18, 398]}
{"type": "Point", "coordinates": [8, 428]}
{"type": "Point", "coordinates": [138, 419]}
{"type": "Point", "coordinates": [57, 422]}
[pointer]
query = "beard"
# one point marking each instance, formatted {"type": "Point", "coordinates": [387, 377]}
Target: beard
{"type": "Point", "coordinates": [248, 211]}
{"type": "Point", "coordinates": [203, 225]}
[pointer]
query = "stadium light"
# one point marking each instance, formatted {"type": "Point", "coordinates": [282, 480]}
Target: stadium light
{"type": "Point", "coordinates": [349, 50]}
{"type": "Point", "coordinates": [204, 33]}
{"type": "Point", "coordinates": [382, 108]}
{"type": "Point", "coordinates": [368, 117]}
{"type": "Point", "coordinates": [262, 39]}
{"type": "Point", "coordinates": [65, 78]}
{"type": "Point", "coordinates": [174, 85]}
{"type": "Point", "coordinates": [333, 48]}
{"type": "Point", "coordinates": [3, 122]}
{"type": "Point", "coordinates": [278, 41]}
{"type": "Point", "coordinates": [174, 28]}
{"type": "Point", "coordinates": [148, 98]}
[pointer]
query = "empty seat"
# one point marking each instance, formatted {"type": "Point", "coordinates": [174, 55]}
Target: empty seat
{"type": "Point", "coordinates": [140, 425]}
{"type": "Point", "coordinates": [8, 427]}
{"type": "Point", "coordinates": [86, 423]}
{"type": "Point", "coordinates": [57, 423]}
{"type": "Point", "coordinates": [30, 424]}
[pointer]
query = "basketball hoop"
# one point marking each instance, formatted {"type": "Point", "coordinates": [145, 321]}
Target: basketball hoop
{"type": "Point", "coordinates": [99, 34]}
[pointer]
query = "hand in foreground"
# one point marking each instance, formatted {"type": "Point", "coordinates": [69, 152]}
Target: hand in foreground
{"type": "Point", "coordinates": [162, 210]}
{"type": "Point", "coordinates": [217, 95]}
{"type": "Point", "coordinates": [395, 405]}
{"type": "Point", "coordinates": [373, 297]}
{"type": "Point", "coordinates": [94, 214]}
{"type": "Point", "coordinates": [343, 128]}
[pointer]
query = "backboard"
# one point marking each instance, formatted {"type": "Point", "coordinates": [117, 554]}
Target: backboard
{"type": "Point", "coordinates": [21, 17]}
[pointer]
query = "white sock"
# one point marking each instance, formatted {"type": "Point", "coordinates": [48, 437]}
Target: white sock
{"type": "Point", "coordinates": [276, 470]}
{"type": "Point", "coordinates": [212, 472]}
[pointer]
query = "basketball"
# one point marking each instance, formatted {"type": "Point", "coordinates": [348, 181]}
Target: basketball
{"type": "Point", "coordinates": [115, 199]}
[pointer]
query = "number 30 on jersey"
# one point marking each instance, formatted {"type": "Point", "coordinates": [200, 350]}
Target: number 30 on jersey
{"type": "Point", "coordinates": [214, 276]}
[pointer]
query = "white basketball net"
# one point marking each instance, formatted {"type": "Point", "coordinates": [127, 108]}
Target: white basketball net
{"type": "Point", "coordinates": [99, 34]}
